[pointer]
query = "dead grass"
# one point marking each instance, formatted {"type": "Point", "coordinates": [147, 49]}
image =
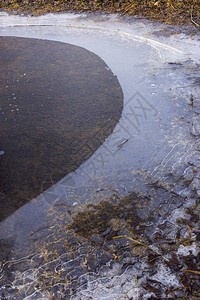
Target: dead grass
{"type": "Point", "coordinates": [177, 12]}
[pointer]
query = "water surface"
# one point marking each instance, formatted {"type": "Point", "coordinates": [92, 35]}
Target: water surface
{"type": "Point", "coordinates": [58, 104]}
{"type": "Point", "coordinates": [38, 251]}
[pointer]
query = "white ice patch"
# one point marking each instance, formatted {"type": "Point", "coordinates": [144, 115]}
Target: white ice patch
{"type": "Point", "coordinates": [110, 286]}
{"type": "Point", "coordinates": [176, 215]}
{"type": "Point", "coordinates": [186, 250]}
{"type": "Point", "coordinates": [165, 276]}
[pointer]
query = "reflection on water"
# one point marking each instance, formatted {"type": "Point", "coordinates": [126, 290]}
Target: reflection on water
{"type": "Point", "coordinates": [56, 99]}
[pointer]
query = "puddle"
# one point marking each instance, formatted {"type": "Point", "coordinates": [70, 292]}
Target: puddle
{"type": "Point", "coordinates": [148, 152]}
{"type": "Point", "coordinates": [55, 98]}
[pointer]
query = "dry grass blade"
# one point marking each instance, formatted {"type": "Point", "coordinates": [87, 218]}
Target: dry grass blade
{"type": "Point", "coordinates": [136, 278]}
{"type": "Point", "coordinates": [191, 271]}
{"type": "Point", "coordinates": [191, 16]}
{"type": "Point", "coordinates": [142, 244]}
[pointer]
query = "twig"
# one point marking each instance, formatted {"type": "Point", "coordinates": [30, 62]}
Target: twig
{"type": "Point", "coordinates": [191, 271]}
{"type": "Point", "coordinates": [139, 243]}
{"type": "Point", "coordinates": [191, 16]}
{"type": "Point", "coordinates": [137, 286]}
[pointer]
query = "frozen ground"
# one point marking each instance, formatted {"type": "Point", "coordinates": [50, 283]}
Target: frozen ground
{"type": "Point", "coordinates": [154, 149]}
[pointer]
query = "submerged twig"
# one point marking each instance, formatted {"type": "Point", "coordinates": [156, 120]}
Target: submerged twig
{"type": "Point", "coordinates": [139, 243]}
{"type": "Point", "coordinates": [191, 271]}
{"type": "Point", "coordinates": [122, 143]}
{"type": "Point", "coordinates": [136, 278]}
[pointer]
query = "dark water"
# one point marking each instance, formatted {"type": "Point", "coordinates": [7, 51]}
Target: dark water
{"type": "Point", "coordinates": [58, 103]}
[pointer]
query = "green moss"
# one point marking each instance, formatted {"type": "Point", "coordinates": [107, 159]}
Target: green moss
{"type": "Point", "coordinates": [96, 218]}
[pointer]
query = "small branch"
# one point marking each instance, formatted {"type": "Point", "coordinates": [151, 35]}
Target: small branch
{"type": "Point", "coordinates": [191, 17]}
{"type": "Point", "coordinates": [196, 272]}
{"type": "Point", "coordinates": [142, 244]}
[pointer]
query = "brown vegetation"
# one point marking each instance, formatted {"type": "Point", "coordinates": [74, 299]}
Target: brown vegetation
{"type": "Point", "coordinates": [169, 11]}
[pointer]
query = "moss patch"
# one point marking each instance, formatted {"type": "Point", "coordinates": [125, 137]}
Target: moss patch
{"type": "Point", "coordinates": [107, 217]}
